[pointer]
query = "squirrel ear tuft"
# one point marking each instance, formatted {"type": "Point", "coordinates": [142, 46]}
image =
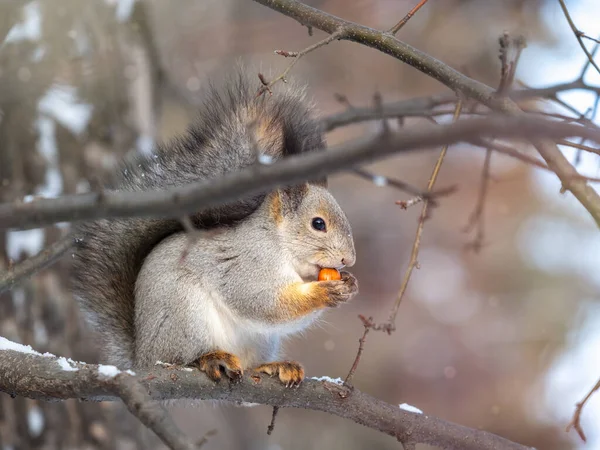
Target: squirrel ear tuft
{"type": "Point", "coordinates": [286, 200]}
{"type": "Point", "coordinates": [292, 196]}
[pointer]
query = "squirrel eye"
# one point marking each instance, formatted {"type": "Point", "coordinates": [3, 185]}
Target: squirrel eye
{"type": "Point", "coordinates": [319, 224]}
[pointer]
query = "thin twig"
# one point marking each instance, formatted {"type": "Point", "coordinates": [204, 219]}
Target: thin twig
{"type": "Point", "coordinates": [575, 421]}
{"type": "Point", "coordinates": [507, 73]}
{"type": "Point", "coordinates": [587, 64]}
{"type": "Point", "coordinates": [417, 242]}
{"type": "Point", "coordinates": [585, 36]}
{"type": "Point", "coordinates": [577, 34]}
{"type": "Point", "coordinates": [380, 180]}
{"type": "Point", "coordinates": [32, 265]}
{"type": "Point", "coordinates": [592, 117]}
{"type": "Point", "coordinates": [272, 424]}
{"type": "Point", "coordinates": [505, 67]}
{"type": "Point", "coordinates": [367, 323]}
{"type": "Point", "coordinates": [406, 18]}
{"type": "Point", "coordinates": [514, 153]}
{"type": "Point", "coordinates": [586, 148]}
{"type": "Point", "coordinates": [425, 107]}
{"type": "Point", "coordinates": [405, 204]}
{"type": "Point", "coordinates": [476, 218]}
{"type": "Point", "coordinates": [339, 34]}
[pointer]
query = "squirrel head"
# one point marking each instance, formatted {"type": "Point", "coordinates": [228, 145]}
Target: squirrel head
{"type": "Point", "coordinates": [313, 229]}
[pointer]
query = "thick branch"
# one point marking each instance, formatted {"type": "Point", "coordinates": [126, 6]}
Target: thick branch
{"type": "Point", "coordinates": [387, 43]}
{"type": "Point", "coordinates": [195, 196]}
{"type": "Point", "coordinates": [25, 372]}
{"type": "Point", "coordinates": [41, 377]}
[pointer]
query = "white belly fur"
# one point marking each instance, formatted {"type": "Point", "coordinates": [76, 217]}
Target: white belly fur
{"type": "Point", "coordinates": [251, 341]}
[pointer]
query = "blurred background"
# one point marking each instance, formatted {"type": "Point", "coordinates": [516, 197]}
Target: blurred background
{"type": "Point", "coordinates": [506, 339]}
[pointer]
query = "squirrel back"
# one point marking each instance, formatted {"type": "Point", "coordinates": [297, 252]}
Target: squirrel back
{"type": "Point", "coordinates": [232, 124]}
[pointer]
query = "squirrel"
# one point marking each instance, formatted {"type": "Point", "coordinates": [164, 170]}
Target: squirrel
{"type": "Point", "coordinates": [223, 300]}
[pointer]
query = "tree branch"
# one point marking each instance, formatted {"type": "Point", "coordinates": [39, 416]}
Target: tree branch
{"type": "Point", "coordinates": [41, 377]}
{"type": "Point", "coordinates": [176, 201]}
{"type": "Point", "coordinates": [34, 264]}
{"type": "Point", "coordinates": [387, 43]}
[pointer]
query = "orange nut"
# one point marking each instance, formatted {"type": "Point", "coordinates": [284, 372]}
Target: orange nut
{"type": "Point", "coordinates": [329, 274]}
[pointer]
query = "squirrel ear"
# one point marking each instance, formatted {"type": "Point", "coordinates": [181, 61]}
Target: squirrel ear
{"type": "Point", "coordinates": [286, 200]}
{"type": "Point", "coordinates": [292, 196]}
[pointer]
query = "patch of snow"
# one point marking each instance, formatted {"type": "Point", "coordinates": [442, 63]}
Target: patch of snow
{"type": "Point", "coordinates": [380, 181]}
{"type": "Point", "coordinates": [328, 379]}
{"type": "Point", "coordinates": [5, 344]}
{"type": "Point", "coordinates": [61, 103]}
{"type": "Point", "coordinates": [30, 28]}
{"type": "Point", "coordinates": [30, 241]}
{"type": "Point", "coordinates": [35, 421]}
{"type": "Point", "coordinates": [145, 144]}
{"type": "Point", "coordinates": [410, 408]}
{"type": "Point", "coordinates": [48, 147]}
{"type": "Point", "coordinates": [265, 159]}
{"type": "Point", "coordinates": [167, 365]}
{"type": "Point", "coordinates": [108, 371]}
{"type": "Point", "coordinates": [124, 10]}
{"type": "Point", "coordinates": [65, 364]}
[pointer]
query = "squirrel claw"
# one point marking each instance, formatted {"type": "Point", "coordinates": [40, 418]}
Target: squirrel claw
{"type": "Point", "coordinates": [290, 373]}
{"type": "Point", "coordinates": [217, 363]}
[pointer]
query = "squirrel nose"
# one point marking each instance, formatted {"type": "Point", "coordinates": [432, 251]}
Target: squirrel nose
{"type": "Point", "coordinates": [348, 262]}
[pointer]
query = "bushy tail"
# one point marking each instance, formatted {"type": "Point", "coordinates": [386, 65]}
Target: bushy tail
{"type": "Point", "coordinates": [109, 253]}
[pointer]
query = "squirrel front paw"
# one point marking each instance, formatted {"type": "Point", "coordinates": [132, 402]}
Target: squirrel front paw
{"type": "Point", "coordinates": [218, 363]}
{"type": "Point", "coordinates": [340, 291]}
{"type": "Point", "coordinates": [290, 373]}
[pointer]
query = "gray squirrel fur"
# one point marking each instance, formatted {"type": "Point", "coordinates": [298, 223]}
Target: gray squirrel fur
{"type": "Point", "coordinates": [148, 303]}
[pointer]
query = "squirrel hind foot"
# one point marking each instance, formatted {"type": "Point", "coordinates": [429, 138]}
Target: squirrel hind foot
{"type": "Point", "coordinates": [218, 363]}
{"type": "Point", "coordinates": [290, 373]}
